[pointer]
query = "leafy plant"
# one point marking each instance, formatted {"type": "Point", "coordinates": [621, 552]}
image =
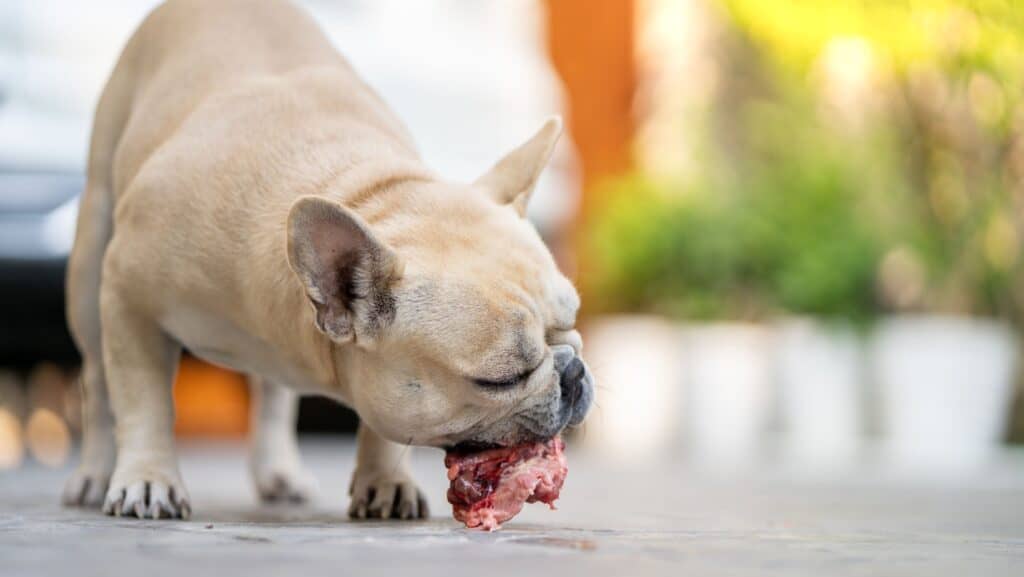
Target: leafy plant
{"type": "Point", "coordinates": [661, 248]}
{"type": "Point", "coordinates": [949, 76]}
{"type": "Point", "coordinates": [790, 239]}
{"type": "Point", "coordinates": [915, 205]}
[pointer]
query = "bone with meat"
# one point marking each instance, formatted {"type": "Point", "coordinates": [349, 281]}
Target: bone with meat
{"type": "Point", "coordinates": [490, 487]}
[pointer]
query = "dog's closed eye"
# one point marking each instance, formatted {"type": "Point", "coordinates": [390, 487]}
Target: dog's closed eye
{"type": "Point", "coordinates": [502, 384]}
{"type": "Point", "coordinates": [505, 383]}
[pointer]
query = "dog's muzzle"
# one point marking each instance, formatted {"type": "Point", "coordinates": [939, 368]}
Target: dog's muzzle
{"type": "Point", "coordinates": [576, 383]}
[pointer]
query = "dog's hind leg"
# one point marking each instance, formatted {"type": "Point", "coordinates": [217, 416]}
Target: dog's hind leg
{"type": "Point", "coordinates": [274, 459]}
{"type": "Point", "coordinates": [88, 483]}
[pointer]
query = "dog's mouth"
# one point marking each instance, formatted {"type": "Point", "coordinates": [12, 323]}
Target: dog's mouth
{"type": "Point", "coordinates": [467, 447]}
{"type": "Point", "coordinates": [471, 446]}
{"type": "Point", "coordinates": [527, 430]}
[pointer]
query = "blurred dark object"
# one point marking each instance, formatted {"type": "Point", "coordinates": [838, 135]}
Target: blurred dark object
{"type": "Point", "coordinates": [1016, 433]}
{"type": "Point", "coordinates": [33, 245]}
{"type": "Point", "coordinates": [322, 415]}
{"type": "Point", "coordinates": [32, 313]}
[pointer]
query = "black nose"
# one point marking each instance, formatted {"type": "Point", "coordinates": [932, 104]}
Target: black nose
{"type": "Point", "coordinates": [577, 391]}
{"type": "Point", "coordinates": [573, 372]}
{"type": "Point", "coordinates": [571, 380]}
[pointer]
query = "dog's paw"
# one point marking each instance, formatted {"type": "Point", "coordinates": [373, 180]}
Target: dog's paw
{"type": "Point", "coordinates": [147, 495]}
{"type": "Point", "coordinates": [284, 483]}
{"type": "Point", "coordinates": [86, 487]}
{"type": "Point", "coordinates": [386, 496]}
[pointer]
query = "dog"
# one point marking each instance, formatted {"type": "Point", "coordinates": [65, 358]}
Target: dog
{"type": "Point", "coordinates": [250, 199]}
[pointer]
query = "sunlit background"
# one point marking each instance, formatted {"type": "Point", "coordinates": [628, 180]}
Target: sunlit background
{"type": "Point", "coordinates": [796, 226]}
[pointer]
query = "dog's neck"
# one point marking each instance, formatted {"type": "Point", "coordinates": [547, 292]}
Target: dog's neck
{"type": "Point", "coordinates": [374, 191]}
{"type": "Point", "coordinates": [363, 189]}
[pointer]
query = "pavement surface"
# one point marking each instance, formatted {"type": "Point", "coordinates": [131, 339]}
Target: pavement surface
{"type": "Point", "coordinates": [652, 519]}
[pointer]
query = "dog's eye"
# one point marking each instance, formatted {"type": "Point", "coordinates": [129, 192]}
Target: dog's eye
{"type": "Point", "coordinates": [509, 382]}
{"type": "Point", "coordinates": [503, 384]}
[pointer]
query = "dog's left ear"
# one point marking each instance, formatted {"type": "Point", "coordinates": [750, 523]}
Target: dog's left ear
{"type": "Point", "coordinates": [347, 272]}
{"type": "Point", "coordinates": [513, 179]}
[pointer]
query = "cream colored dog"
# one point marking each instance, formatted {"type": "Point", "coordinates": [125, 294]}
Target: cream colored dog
{"type": "Point", "coordinates": [249, 198]}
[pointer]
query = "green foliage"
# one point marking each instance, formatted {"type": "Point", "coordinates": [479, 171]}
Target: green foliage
{"type": "Point", "coordinates": [660, 251]}
{"type": "Point", "coordinates": [786, 239]}
{"type": "Point", "coordinates": [813, 241]}
{"type": "Point", "coordinates": [914, 205]}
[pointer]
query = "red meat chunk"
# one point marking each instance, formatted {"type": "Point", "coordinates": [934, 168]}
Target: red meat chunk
{"type": "Point", "coordinates": [490, 487]}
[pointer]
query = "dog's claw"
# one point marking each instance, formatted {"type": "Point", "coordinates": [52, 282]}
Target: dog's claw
{"type": "Point", "coordinates": [112, 505]}
{"type": "Point", "coordinates": [386, 498]}
{"type": "Point", "coordinates": [85, 488]}
{"type": "Point", "coordinates": [407, 510]}
{"type": "Point", "coordinates": [147, 500]}
{"type": "Point", "coordinates": [291, 486]}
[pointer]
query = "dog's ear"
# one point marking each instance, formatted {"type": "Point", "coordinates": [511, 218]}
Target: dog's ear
{"type": "Point", "coordinates": [512, 180]}
{"type": "Point", "coordinates": [347, 272]}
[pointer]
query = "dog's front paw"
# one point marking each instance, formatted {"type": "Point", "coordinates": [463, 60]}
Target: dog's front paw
{"type": "Point", "coordinates": [283, 482]}
{"type": "Point", "coordinates": [147, 493]}
{"type": "Point", "coordinates": [386, 496]}
{"type": "Point", "coordinates": [86, 487]}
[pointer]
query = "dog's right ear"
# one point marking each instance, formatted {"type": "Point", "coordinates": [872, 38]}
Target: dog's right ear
{"type": "Point", "coordinates": [346, 271]}
{"type": "Point", "coordinates": [513, 179]}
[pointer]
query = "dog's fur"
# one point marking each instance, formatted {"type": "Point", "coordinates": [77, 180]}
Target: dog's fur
{"type": "Point", "coordinates": [249, 198]}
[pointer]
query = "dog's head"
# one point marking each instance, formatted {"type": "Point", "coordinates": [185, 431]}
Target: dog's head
{"type": "Point", "coordinates": [463, 327]}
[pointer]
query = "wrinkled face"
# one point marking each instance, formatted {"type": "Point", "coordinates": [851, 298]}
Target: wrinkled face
{"type": "Point", "coordinates": [483, 348]}
{"type": "Point", "coordinates": [458, 326]}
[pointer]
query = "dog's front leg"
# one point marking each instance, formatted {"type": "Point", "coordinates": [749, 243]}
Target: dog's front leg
{"type": "Point", "coordinates": [274, 459]}
{"type": "Point", "coordinates": [140, 360]}
{"type": "Point", "coordinates": [382, 485]}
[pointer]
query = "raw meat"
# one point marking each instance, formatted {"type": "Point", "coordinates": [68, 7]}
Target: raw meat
{"type": "Point", "coordinates": [490, 487]}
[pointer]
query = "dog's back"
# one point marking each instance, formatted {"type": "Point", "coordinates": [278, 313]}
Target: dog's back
{"type": "Point", "coordinates": [187, 50]}
{"type": "Point", "coordinates": [260, 80]}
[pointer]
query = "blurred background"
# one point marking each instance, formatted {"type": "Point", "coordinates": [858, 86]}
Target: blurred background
{"type": "Point", "coordinates": [796, 226]}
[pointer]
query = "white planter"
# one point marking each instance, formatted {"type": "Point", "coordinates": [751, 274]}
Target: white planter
{"type": "Point", "coordinates": [945, 384]}
{"type": "Point", "coordinates": [728, 390]}
{"type": "Point", "coordinates": [820, 372]}
{"type": "Point", "coordinates": [636, 366]}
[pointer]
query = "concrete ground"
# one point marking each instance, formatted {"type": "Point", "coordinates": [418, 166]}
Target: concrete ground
{"type": "Point", "coordinates": [651, 520]}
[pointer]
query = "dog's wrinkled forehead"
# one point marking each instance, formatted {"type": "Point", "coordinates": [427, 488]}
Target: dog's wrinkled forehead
{"type": "Point", "coordinates": [499, 325]}
{"type": "Point", "coordinates": [464, 316]}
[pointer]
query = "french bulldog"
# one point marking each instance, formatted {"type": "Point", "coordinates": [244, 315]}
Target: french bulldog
{"type": "Point", "coordinates": [250, 199]}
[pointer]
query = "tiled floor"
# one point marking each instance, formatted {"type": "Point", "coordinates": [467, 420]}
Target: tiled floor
{"type": "Point", "coordinates": [662, 520]}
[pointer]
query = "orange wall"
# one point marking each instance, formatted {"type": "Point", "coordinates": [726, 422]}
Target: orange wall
{"type": "Point", "coordinates": [591, 46]}
{"type": "Point", "coordinates": [209, 401]}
